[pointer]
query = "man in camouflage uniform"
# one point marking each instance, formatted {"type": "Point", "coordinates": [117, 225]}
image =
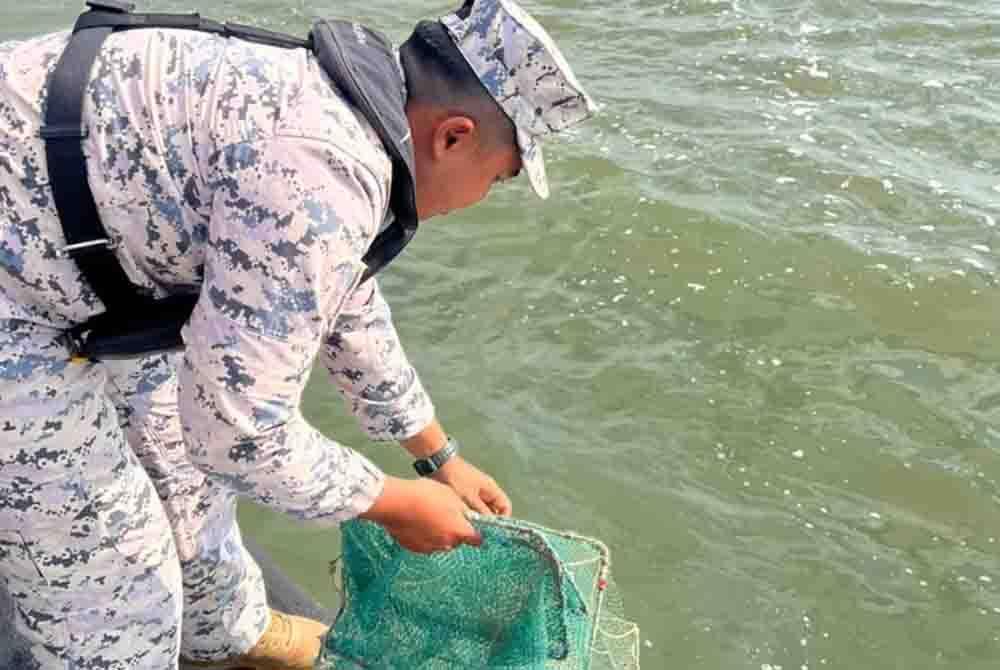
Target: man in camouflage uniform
{"type": "Point", "coordinates": [239, 169]}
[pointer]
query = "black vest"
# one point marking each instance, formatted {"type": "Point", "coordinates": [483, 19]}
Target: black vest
{"type": "Point", "coordinates": [364, 69]}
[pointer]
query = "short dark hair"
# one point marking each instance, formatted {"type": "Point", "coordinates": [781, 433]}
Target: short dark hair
{"type": "Point", "coordinates": [437, 74]}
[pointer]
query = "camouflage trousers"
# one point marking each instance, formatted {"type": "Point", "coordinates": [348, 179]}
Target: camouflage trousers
{"type": "Point", "coordinates": [115, 551]}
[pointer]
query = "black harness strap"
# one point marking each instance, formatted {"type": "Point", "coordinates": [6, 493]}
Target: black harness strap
{"type": "Point", "coordinates": [102, 17]}
{"type": "Point", "coordinates": [87, 241]}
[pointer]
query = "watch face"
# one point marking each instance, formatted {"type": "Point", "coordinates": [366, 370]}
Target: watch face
{"type": "Point", "coordinates": [431, 464]}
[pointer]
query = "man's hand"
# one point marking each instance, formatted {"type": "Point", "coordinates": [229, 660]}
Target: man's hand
{"type": "Point", "coordinates": [476, 489]}
{"type": "Point", "coordinates": [422, 516]}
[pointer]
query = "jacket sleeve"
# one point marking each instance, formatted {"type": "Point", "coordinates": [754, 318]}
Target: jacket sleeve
{"type": "Point", "coordinates": [368, 365]}
{"type": "Point", "coordinates": [290, 220]}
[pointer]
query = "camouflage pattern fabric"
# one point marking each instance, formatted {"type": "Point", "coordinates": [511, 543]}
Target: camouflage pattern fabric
{"type": "Point", "coordinates": [224, 604]}
{"type": "Point", "coordinates": [235, 169]}
{"type": "Point", "coordinates": [85, 549]}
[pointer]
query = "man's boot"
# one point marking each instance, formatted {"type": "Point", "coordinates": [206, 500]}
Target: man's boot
{"type": "Point", "coordinates": [289, 643]}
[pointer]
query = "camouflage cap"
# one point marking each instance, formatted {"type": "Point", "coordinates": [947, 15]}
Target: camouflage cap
{"type": "Point", "coordinates": [524, 71]}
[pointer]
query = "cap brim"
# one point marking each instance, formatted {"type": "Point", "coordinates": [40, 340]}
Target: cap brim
{"type": "Point", "coordinates": [533, 163]}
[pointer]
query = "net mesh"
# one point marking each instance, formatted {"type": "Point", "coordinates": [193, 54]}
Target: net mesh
{"type": "Point", "coordinates": [530, 598]}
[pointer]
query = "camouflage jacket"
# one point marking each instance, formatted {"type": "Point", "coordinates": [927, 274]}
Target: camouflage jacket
{"type": "Point", "coordinates": [236, 168]}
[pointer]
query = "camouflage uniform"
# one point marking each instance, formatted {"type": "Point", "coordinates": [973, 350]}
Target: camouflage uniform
{"type": "Point", "coordinates": [237, 170]}
{"type": "Point", "coordinates": [215, 163]}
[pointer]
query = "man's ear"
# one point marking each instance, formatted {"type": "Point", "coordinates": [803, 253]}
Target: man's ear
{"type": "Point", "coordinates": [454, 134]}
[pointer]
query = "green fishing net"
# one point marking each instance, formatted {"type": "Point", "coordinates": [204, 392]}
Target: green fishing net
{"type": "Point", "coordinates": [530, 598]}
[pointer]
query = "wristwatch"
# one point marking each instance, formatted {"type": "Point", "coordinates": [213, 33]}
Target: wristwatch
{"type": "Point", "coordinates": [431, 464]}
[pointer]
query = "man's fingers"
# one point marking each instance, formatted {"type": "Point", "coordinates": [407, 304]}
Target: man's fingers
{"type": "Point", "coordinates": [477, 504]}
{"type": "Point", "coordinates": [471, 536]}
{"type": "Point", "coordinates": [498, 501]}
{"type": "Point", "coordinates": [504, 507]}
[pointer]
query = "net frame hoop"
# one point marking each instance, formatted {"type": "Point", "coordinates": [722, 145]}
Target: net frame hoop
{"type": "Point", "coordinates": [603, 558]}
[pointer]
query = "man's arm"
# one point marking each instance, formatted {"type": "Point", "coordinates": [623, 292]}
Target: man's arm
{"type": "Point", "coordinates": [290, 221]}
{"type": "Point", "coordinates": [367, 363]}
{"type": "Point", "coordinates": [280, 259]}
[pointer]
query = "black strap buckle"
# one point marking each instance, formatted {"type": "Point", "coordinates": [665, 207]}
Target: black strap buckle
{"type": "Point", "coordinates": [111, 6]}
{"type": "Point", "coordinates": [62, 132]}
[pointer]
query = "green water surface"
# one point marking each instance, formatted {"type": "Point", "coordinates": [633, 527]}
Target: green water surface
{"type": "Point", "coordinates": [750, 342]}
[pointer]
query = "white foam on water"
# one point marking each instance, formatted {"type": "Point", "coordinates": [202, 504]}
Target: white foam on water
{"type": "Point", "coordinates": [979, 265]}
{"type": "Point", "coordinates": [817, 73]}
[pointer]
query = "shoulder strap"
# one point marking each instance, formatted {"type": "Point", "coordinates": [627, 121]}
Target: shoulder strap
{"type": "Point", "coordinates": [119, 16]}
